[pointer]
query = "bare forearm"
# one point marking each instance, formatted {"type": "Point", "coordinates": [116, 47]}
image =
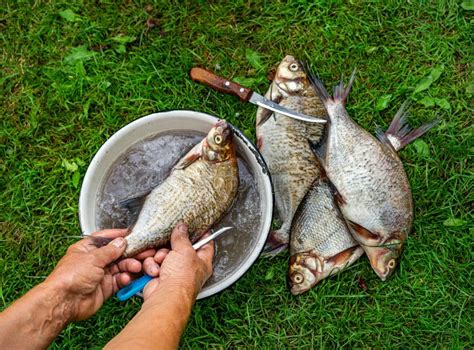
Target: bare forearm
{"type": "Point", "coordinates": [35, 319]}
{"type": "Point", "coordinates": [160, 323]}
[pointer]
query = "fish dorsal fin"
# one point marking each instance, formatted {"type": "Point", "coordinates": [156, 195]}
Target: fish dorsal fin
{"type": "Point", "coordinates": [190, 157]}
{"type": "Point", "coordinates": [133, 206]}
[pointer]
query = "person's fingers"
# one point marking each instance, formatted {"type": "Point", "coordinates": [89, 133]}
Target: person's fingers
{"type": "Point", "coordinates": [122, 280]}
{"type": "Point", "coordinates": [143, 255]}
{"type": "Point", "coordinates": [180, 239]}
{"type": "Point", "coordinates": [150, 267]}
{"type": "Point", "coordinates": [110, 252]}
{"type": "Point", "coordinates": [150, 287]}
{"type": "Point", "coordinates": [111, 233]}
{"type": "Point", "coordinates": [129, 265]}
{"type": "Point", "coordinates": [206, 253]}
{"type": "Point", "coordinates": [161, 255]}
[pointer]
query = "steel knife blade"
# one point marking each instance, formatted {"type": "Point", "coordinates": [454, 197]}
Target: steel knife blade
{"type": "Point", "coordinates": [247, 95]}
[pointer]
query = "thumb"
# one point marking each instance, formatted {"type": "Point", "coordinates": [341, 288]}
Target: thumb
{"type": "Point", "coordinates": [111, 251]}
{"type": "Point", "coordinates": [180, 238]}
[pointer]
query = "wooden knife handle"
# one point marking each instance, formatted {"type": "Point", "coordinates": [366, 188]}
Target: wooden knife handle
{"type": "Point", "coordinates": [220, 84]}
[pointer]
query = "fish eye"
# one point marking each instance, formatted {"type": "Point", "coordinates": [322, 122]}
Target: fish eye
{"type": "Point", "coordinates": [294, 67]}
{"type": "Point", "coordinates": [391, 263]}
{"type": "Point", "coordinates": [218, 139]}
{"type": "Point", "coordinates": [298, 278]}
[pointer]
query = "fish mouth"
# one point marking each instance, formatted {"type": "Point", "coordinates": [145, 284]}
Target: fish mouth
{"type": "Point", "coordinates": [383, 261]}
{"type": "Point", "coordinates": [221, 123]}
{"type": "Point", "coordinates": [297, 290]}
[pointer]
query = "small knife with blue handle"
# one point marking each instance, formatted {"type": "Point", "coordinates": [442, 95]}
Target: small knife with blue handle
{"type": "Point", "coordinates": [137, 286]}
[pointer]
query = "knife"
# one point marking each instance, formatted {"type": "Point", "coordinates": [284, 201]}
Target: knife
{"type": "Point", "coordinates": [137, 286]}
{"type": "Point", "coordinates": [229, 87]}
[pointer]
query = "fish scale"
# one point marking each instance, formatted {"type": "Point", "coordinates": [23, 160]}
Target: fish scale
{"type": "Point", "coordinates": [318, 224]}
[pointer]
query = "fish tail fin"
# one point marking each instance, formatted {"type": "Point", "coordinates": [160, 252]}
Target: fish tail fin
{"type": "Point", "coordinates": [400, 133]}
{"type": "Point", "coordinates": [98, 241]}
{"type": "Point", "coordinates": [341, 92]}
{"type": "Point", "coordinates": [276, 242]}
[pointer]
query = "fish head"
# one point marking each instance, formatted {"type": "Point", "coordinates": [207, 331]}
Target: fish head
{"type": "Point", "coordinates": [218, 146]}
{"type": "Point", "coordinates": [384, 258]}
{"type": "Point", "coordinates": [290, 77]}
{"type": "Point", "coordinates": [304, 272]}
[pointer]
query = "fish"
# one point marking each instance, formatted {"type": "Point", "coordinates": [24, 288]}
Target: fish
{"type": "Point", "coordinates": [321, 243]}
{"type": "Point", "coordinates": [374, 193]}
{"type": "Point", "coordinates": [285, 145]}
{"type": "Point", "coordinates": [198, 192]}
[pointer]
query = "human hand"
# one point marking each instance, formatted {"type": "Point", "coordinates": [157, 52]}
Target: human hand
{"type": "Point", "coordinates": [87, 276]}
{"type": "Point", "coordinates": [181, 267]}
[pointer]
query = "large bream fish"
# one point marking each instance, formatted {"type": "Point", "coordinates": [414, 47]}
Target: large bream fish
{"type": "Point", "coordinates": [285, 144]}
{"type": "Point", "coordinates": [199, 190]}
{"type": "Point", "coordinates": [374, 192]}
{"type": "Point", "coordinates": [321, 244]}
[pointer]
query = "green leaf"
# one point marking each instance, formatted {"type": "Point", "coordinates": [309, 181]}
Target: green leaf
{"type": "Point", "coordinates": [371, 49]}
{"type": "Point", "coordinates": [426, 82]}
{"type": "Point", "coordinates": [468, 5]}
{"type": "Point", "coordinates": [422, 148]}
{"type": "Point", "coordinates": [121, 49]}
{"type": "Point", "coordinates": [69, 15]}
{"type": "Point", "coordinates": [436, 72]}
{"type": "Point", "coordinates": [452, 222]}
{"type": "Point", "coordinates": [427, 101]}
{"type": "Point", "coordinates": [423, 84]}
{"type": "Point", "coordinates": [79, 53]}
{"type": "Point", "coordinates": [269, 275]}
{"type": "Point", "coordinates": [254, 59]}
{"type": "Point", "coordinates": [75, 179]}
{"type": "Point", "coordinates": [443, 103]}
{"type": "Point", "coordinates": [245, 81]}
{"type": "Point", "coordinates": [79, 162]}
{"type": "Point", "coordinates": [470, 88]}
{"type": "Point", "coordinates": [382, 102]}
{"type": "Point", "coordinates": [124, 39]}
{"type": "Point", "coordinates": [69, 166]}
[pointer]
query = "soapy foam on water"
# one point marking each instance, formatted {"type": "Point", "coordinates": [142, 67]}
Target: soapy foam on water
{"type": "Point", "coordinates": [147, 163]}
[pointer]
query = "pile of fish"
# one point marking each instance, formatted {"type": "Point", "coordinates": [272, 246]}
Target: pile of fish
{"type": "Point", "coordinates": [339, 191]}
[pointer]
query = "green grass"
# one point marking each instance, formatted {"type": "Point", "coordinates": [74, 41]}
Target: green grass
{"type": "Point", "coordinates": [67, 85]}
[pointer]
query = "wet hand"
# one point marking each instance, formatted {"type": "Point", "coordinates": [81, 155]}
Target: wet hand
{"type": "Point", "coordinates": [181, 267]}
{"type": "Point", "coordinates": [87, 276]}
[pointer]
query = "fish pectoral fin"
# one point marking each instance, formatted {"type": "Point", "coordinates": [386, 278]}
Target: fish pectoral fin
{"type": "Point", "coordinates": [342, 259]}
{"type": "Point", "coordinates": [194, 154]}
{"type": "Point", "coordinates": [133, 206]}
{"type": "Point", "coordinates": [318, 151]}
{"type": "Point", "coordinates": [338, 198]}
{"type": "Point", "coordinates": [363, 235]}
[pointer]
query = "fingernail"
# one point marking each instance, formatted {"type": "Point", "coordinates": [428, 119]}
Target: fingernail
{"type": "Point", "coordinates": [119, 242]}
{"type": "Point", "coordinates": [154, 270]}
{"type": "Point", "coordinates": [182, 228]}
